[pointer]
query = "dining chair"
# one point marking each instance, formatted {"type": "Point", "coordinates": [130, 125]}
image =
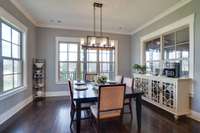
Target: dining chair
{"type": "Point", "coordinates": [109, 107]}
{"type": "Point", "coordinates": [90, 77]}
{"type": "Point", "coordinates": [84, 107]}
{"type": "Point", "coordinates": [119, 79]}
{"type": "Point", "coordinates": [128, 101]}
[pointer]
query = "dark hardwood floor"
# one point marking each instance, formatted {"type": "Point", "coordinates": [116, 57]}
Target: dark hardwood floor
{"type": "Point", "coordinates": [52, 116]}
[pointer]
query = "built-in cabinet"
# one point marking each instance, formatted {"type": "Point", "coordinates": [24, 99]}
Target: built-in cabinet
{"type": "Point", "coordinates": [170, 94]}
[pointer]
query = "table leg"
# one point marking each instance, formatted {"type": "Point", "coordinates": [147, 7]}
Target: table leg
{"type": "Point", "coordinates": [78, 117]}
{"type": "Point", "coordinates": [139, 110]}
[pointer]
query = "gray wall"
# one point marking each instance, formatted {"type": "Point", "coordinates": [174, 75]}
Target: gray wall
{"type": "Point", "coordinates": [46, 49]}
{"type": "Point", "coordinates": [13, 100]}
{"type": "Point", "coordinates": [192, 7]}
{"type": "Point", "coordinates": [196, 99]}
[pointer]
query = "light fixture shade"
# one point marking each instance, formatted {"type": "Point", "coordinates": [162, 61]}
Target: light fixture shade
{"type": "Point", "coordinates": [98, 41]}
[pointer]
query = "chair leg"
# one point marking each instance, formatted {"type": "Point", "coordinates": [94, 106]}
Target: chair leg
{"type": "Point", "coordinates": [72, 112]}
{"type": "Point", "coordinates": [98, 126]}
{"type": "Point", "coordinates": [130, 108]}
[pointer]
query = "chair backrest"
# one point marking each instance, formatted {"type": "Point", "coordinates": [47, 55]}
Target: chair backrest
{"type": "Point", "coordinates": [128, 82]}
{"type": "Point", "coordinates": [111, 100]}
{"type": "Point", "coordinates": [90, 77]}
{"type": "Point", "coordinates": [119, 78]}
{"type": "Point", "coordinates": [71, 91]}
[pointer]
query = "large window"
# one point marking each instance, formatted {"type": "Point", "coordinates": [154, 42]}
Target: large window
{"type": "Point", "coordinates": [73, 61]}
{"type": "Point", "coordinates": [68, 60]}
{"type": "Point", "coordinates": [167, 49]}
{"type": "Point", "coordinates": [11, 69]}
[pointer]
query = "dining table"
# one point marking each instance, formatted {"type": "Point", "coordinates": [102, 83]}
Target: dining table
{"type": "Point", "coordinates": [90, 95]}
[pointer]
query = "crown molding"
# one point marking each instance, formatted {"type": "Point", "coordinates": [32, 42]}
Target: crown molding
{"type": "Point", "coordinates": [162, 15]}
{"type": "Point", "coordinates": [79, 28]}
{"type": "Point", "coordinates": [24, 12]}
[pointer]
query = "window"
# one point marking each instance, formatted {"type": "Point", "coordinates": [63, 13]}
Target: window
{"type": "Point", "coordinates": [176, 49]}
{"type": "Point", "coordinates": [152, 55]}
{"type": "Point", "coordinates": [169, 48]}
{"type": "Point", "coordinates": [107, 63]}
{"type": "Point", "coordinates": [73, 61]}
{"type": "Point", "coordinates": [68, 60]}
{"type": "Point", "coordinates": [10, 57]}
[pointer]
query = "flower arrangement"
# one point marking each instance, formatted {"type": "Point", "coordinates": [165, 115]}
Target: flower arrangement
{"type": "Point", "coordinates": [101, 79]}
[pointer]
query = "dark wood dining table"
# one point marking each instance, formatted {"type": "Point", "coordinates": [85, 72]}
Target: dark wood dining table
{"type": "Point", "coordinates": [91, 95]}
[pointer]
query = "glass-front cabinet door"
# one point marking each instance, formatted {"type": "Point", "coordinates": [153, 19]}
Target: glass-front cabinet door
{"type": "Point", "coordinates": [167, 49]}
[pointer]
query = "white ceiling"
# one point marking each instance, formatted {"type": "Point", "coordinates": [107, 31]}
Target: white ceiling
{"type": "Point", "coordinates": [119, 16]}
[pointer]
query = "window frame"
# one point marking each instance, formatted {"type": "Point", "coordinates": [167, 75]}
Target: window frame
{"type": "Point", "coordinates": [8, 19]}
{"type": "Point", "coordinates": [184, 22]}
{"type": "Point", "coordinates": [77, 40]}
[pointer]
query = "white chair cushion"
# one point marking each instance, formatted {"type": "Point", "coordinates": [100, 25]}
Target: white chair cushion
{"type": "Point", "coordinates": [104, 115]}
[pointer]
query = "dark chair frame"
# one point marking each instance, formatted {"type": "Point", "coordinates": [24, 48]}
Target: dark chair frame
{"type": "Point", "coordinates": [129, 103]}
{"type": "Point", "coordinates": [91, 74]}
{"type": "Point", "coordinates": [98, 120]}
{"type": "Point", "coordinates": [73, 108]}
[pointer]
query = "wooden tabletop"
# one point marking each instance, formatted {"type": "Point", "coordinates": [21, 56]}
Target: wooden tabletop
{"type": "Point", "coordinates": [92, 92]}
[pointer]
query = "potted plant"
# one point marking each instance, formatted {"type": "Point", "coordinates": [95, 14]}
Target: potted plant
{"type": "Point", "coordinates": [140, 68]}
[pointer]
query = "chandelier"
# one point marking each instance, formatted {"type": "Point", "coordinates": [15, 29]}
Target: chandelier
{"type": "Point", "coordinates": [97, 41]}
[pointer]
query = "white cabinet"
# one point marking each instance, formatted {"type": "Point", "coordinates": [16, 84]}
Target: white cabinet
{"type": "Point", "coordinates": [170, 94]}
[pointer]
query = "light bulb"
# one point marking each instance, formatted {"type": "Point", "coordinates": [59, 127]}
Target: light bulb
{"type": "Point", "coordinates": [93, 41]}
{"type": "Point", "coordinates": [112, 43]}
{"type": "Point", "coordinates": [103, 42]}
{"type": "Point", "coordinates": [82, 41]}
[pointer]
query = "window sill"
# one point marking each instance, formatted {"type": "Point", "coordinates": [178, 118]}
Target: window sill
{"type": "Point", "coordinates": [12, 92]}
{"type": "Point", "coordinates": [61, 83]}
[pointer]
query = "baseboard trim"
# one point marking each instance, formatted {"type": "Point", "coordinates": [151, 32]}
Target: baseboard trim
{"type": "Point", "coordinates": [194, 115]}
{"type": "Point", "coordinates": [11, 112]}
{"type": "Point", "coordinates": [57, 93]}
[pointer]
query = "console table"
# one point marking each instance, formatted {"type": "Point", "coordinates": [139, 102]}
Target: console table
{"type": "Point", "coordinates": [170, 94]}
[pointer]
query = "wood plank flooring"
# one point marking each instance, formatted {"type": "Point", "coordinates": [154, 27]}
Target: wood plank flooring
{"type": "Point", "coordinates": [52, 116]}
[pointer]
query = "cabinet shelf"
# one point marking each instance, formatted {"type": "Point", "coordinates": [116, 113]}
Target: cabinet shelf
{"type": "Point", "coordinates": [39, 78]}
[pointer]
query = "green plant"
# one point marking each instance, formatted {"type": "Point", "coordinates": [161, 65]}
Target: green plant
{"type": "Point", "coordinates": [102, 79]}
{"type": "Point", "coordinates": [140, 68]}
{"type": "Point", "coordinates": [143, 68]}
{"type": "Point", "coordinates": [136, 66]}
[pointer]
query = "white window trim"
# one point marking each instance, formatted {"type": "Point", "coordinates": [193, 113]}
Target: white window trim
{"type": "Point", "coordinates": [7, 17]}
{"type": "Point", "coordinates": [76, 39]}
{"type": "Point", "coordinates": [187, 21]}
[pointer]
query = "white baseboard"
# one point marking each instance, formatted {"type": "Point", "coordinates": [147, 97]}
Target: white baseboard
{"type": "Point", "coordinates": [57, 93]}
{"type": "Point", "coordinates": [194, 115]}
{"type": "Point", "coordinates": [8, 114]}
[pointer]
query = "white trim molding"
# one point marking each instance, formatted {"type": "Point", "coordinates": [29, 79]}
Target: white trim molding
{"type": "Point", "coordinates": [8, 114]}
{"type": "Point", "coordinates": [187, 21]}
{"type": "Point", "coordinates": [11, 93]}
{"type": "Point", "coordinates": [170, 10]}
{"type": "Point", "coordinates": [24, 11]}
{"type": "Point", "coordinates": [162, 15]}
{"type": "Point", "coordinates": [12, 20]}
{"type": "Point", "coordinates": [7, 17]}
{"type": "Point", "coordinates": [194, 115]}
{"type": "Point", "coordinates": [62, 39]}
{"type": "Point", "coordinates": [77, 40]}
{"type": "Point", "coordinates": [57, 93]}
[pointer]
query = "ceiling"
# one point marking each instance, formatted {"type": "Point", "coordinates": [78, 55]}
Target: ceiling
{"type": "Point", "coordinates": [119, 16]}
